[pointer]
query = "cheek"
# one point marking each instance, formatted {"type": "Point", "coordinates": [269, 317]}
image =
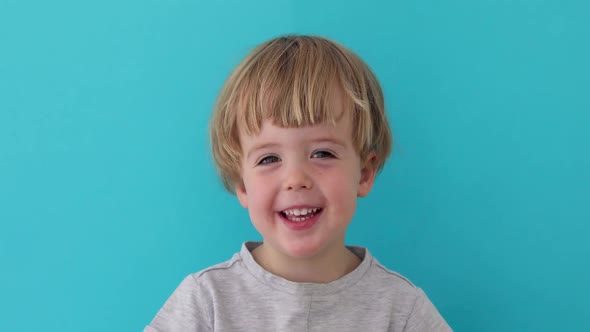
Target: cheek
{"type": "Point", "coordinates": [259, 193]}
{"type": "Point", "coordinates": [342, 187]}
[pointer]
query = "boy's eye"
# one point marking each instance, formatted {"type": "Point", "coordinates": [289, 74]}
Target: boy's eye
{"type": "Point", "coordinates": [322, 154]}
{"type": "Point", "coordinates": [268, 160]}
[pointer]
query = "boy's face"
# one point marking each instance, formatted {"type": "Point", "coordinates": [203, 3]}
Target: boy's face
{"type": "Point", "coordinates": [300, 185]}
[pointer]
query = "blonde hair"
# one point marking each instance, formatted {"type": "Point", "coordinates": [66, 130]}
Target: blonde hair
{"type": "Point", "coordinates": [290, 80]}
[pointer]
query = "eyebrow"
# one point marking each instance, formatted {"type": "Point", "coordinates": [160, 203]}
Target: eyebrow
{"type": "Point", "coordinates": [329, 140]}
{"type": "Point", "coordinates": [260, 147]}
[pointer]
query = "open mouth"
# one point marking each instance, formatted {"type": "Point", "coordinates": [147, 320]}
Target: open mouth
{"type": "Point", "coordinates": [299, 215]}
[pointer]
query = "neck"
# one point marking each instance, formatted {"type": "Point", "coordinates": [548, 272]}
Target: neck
{"type": "Point", "coordinates": [322, 268]}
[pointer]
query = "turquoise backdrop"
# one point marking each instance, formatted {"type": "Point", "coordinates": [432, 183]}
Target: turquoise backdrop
{"type": "Point", "coordinates": [108, 196]}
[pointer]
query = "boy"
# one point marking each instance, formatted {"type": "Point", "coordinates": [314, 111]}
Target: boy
{"type": "Point", "coordinates": [298, 133]}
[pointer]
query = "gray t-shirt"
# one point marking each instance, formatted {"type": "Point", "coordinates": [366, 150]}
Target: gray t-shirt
{"type": "Point", "coordinates": [239, 295]}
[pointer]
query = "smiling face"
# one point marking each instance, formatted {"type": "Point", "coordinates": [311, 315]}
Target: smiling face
{"type": "Point", "coordinates": [300, 185]}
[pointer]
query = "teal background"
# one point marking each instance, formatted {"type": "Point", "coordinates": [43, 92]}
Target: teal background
{"type": "Point", "coordinates": [108, 197]}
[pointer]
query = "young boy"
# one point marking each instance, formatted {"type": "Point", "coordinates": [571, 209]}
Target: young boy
{"type": "Point", "coordinates": [298, 133]}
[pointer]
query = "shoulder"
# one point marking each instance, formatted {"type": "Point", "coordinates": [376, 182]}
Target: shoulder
{"type": "Point", "coordinates": [395, 278]}
{"type": "Point", "coordinates": [382, 277]}
{"type": "Point", "coordinates": [227, 271]}
{"type": "Point", "coordinates": [200, 283]}
{"type": "Point", "coordinates": [394, 290]}
{"type": "Point", "coordinates": [408, 302]}
{"type": "Point", "coordinates": [190, 307]}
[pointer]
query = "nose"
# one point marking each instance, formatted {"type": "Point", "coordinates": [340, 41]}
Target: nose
{"type": "Point", "coordinates": [297, 177]}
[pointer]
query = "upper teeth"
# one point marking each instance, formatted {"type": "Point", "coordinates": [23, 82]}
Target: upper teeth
{"type": "Point", "coordinates": [300, 212]}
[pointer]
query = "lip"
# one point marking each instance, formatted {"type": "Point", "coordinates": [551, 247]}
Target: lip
{"type": "Point", "coordinates": [300, 225]}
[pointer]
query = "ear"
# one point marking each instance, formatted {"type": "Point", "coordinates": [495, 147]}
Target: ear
{"type": "Point", "coordinates": [368, 174]}
{"type": "Point", "coordinates": [241, 193]}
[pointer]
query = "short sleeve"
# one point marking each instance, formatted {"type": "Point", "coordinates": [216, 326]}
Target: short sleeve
{"type": "Point", "coordinates": [183, 311]}
{"type": "Point", "coordinates": [424, 317]}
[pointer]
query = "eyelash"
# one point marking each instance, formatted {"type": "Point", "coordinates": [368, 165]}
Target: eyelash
{"type": "Point", "coordinates": [327, 153]}
{"type": "Point", "coordinates": [265, 160]}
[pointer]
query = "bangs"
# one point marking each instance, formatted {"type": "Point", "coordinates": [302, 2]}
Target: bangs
{"type": "Point", "coordinates": [293, 84]}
